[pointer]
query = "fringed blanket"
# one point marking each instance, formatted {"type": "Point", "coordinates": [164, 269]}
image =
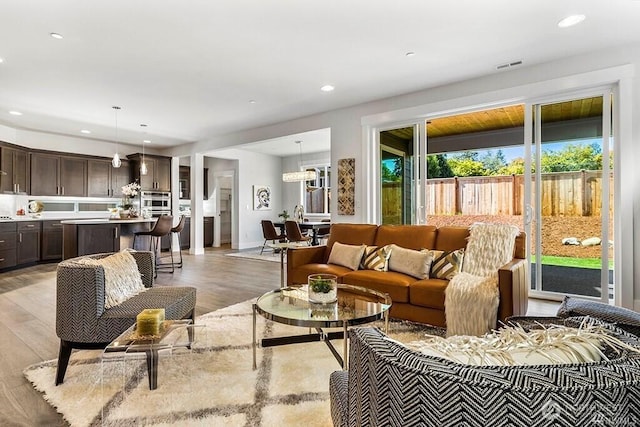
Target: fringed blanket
{"type": "Point", "coordinates": [472, 296]}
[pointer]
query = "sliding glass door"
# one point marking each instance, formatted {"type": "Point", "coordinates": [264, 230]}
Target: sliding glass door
{"type": "Point", "coordinates": [398, 175]}
{"type": "Point", "coordinates": [571, 197]}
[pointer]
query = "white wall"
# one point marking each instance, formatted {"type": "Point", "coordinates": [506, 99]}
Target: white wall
{"type": "Point", "coordinates": [253, 169]}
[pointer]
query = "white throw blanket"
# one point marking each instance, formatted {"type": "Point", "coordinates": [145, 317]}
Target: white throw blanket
{"type": "Point", "coordinates": [472, 296]}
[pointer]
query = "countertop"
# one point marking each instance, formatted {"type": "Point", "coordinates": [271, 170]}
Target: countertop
{"type": "Point", "coordinates": [106, 221]}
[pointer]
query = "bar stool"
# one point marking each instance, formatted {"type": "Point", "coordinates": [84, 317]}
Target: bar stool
{"type": "Point", "coordinates": [177, 230]}
{"type": "Point", "coordinates": [162, 228]}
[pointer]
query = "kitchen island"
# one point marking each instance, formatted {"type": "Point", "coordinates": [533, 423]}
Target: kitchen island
{"type": "Point", "coordinates": [91, 236]}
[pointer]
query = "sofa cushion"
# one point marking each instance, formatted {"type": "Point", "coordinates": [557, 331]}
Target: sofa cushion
{"type": "Point", "coordinates": [300, 274]}
{"type": "Point", "coordinates": [428, 293]}
{"type": "Point", "coordinates": [451, 238]}
{"type": "Point", "coordinates": [376, 258]}
{"type": "Point", "coordinates": [351, 234]}
{"type": "Point", "coordinates": [411, 262]}
{"type": "Point", "coordinates": [121, 277]}
{"type": "Point", "coordinates": [446, 264]}
{"type": "Point", "coordinates": [407, 236]}
{"type": "Point", "coordinates": [389, 282]}
{"type": "Point", "coordinates": [346, 255]}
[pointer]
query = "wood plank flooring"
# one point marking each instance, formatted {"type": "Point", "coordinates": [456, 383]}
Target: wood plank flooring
{"type": "Point", "coordinates": [27, 319]}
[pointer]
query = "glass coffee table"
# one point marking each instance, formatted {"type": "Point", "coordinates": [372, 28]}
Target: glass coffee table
{"type": "Point", "coordinates": [290, 306]}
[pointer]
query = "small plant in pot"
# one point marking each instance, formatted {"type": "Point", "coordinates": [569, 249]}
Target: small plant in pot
{"type": "Point", "coordinates": [284, 215]}
{"type": "Point", "coordinates": [323, 288]}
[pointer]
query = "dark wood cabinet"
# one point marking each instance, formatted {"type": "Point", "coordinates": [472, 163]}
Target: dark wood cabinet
{"type": "Point", "coordinates": [185, 236]}
{"type": "Point", "coordinates": [208, 231]}
{"type": "Point", "coordinates": [184, 181]}
{"type": "Point", "coordinates": [15, 163]}
{"type": "Point", "coordinates": [51, 248]}
{"type": "Point", "coordinates": [103, 180]}
{"type": "Point", "coordinates": [90, 239]}
{"type": "Point", "coordinates": [28, 244]}
{"type": "Point", "coordinates": [54, 175]}
{"type": "Point", "coordinates": [8, 240]}
{"type": "Point", "coordinates": [158, 175]}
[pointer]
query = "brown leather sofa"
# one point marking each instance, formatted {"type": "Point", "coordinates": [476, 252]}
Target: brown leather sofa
{"type": "Point", "coordinates": [413, 299]}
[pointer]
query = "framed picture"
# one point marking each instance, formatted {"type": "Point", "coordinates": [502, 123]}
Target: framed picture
{"type": "Point", "coordinates": [261, 198]}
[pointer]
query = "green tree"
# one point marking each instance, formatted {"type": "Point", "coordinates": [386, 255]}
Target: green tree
{"type": "Point", "coordinates": [515, 167]}
{"type": "Point", "coordinates": [438, 166]}
{"type": "Point", "coordinates": [392, 170]}
{"type": "Point", "coordinates": [572, 157]}
{"type": "Point", "coordinates": [466, 166]}
{"type": "Point", "coordinates": [493, 161]}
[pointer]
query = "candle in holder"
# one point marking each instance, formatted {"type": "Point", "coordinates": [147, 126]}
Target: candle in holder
{"type": "Point", "coordinates": [149, 321]}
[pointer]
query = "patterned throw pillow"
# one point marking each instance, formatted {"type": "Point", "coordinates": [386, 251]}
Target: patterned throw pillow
{"type": "Point", "coordinates": [411, 262]}
{"type": "Point", "coordinates": [375, 258]}
{"type": "Point", "coordinates": [121, 277]}
{"type": "Point", "coordinates": [446, 264]}
{"type": "Point", "coordinates": [346, 255]}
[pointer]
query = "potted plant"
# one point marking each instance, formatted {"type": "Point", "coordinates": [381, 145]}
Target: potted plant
{"type": "Point", "coordinates": [284, 215]}
{"type": "Point", "coordinates": [128, 192]}
{"type": "Point", "coordinates": [323, 288]}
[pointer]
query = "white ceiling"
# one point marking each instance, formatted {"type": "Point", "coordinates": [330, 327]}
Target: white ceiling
{"type": "Point", "coordinates": [189, 69]}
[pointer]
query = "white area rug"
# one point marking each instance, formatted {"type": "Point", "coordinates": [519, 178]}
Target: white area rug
{"type": "Point", "coordinates": [267, 255]}
{"type": "Point", "coordinates": [213, 385]}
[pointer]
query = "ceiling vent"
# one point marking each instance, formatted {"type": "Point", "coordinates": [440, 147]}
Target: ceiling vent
{"type": "Point", "coordinates": [509, 65]}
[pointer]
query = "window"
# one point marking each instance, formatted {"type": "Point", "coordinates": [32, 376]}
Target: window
{"type": "Point", "coordinates": [317, 192]}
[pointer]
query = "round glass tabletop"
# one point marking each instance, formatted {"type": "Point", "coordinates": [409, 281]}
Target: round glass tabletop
{"type": "Point", "coordinates": [355, 305]}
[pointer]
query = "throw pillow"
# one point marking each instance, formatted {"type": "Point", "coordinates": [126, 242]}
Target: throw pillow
{"type": "Point", "coordinates": [346, 255]}
{"type": "Point", "coordinates": [410, 262]}
{"type": "Point", "coordinates": [514, 346]}
{"type": "Point", "coordinates": [121, 277]}
{"type": "Point", "coordinates": [375, 258]}
{"type": "Point", "coordinates": [446, 264]}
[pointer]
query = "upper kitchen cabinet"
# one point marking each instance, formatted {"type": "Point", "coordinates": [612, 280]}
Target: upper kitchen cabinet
{"type": "Point", "coordinates": [55, 175]}
{"type": "Point", "coordinates": [184, 180]}
{"type": "Point", "coordinates": [103, 180]}
{"type": "Point", "coordinates": [15, 163]}
{"type": "Point", "coordinates": [158, 175]}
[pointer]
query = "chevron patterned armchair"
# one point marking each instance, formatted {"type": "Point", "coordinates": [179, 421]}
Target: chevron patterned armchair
{"type": "Point", "coordinates": [388, 384]}
{"type": "Point", "coordinates": [83, 322]}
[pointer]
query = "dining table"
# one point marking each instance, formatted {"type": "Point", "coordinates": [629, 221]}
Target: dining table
{"type": "Point", "coordinates": [313, 226]}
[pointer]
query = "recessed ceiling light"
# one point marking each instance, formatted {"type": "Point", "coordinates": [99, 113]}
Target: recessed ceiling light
{"type": "Point", "coordinates": [85, 131]}
{"type": "Point", "coordinates": [408, 54]}
{"type": "Point", "coordinates": [1, 60]}
{"type": "Point", "coordinates": [327, 88]}
{"type": "Point", "coordinates": [15, 113]}
{"type": "Point", "coordinates": [56, 36]}
{"type": "Point", "coordinates": [252, 101]}
{"type": "Point", "coordinates": [147, 141]}
{"type": "Point", "coordinates": [571, 20]}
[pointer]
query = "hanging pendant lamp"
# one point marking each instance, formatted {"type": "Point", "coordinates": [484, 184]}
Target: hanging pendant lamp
{"type": "Point", "coordinates": [304, 175]}
{"type": "Point", "coordinates": [143, 164]}
{"type": "Point", "coordinates": [115, 162]}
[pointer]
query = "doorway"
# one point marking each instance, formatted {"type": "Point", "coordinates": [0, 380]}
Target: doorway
{"type": "Point", "coordinates": [397, 175]}
{"type": "Point", "coordinates": [223, 193]}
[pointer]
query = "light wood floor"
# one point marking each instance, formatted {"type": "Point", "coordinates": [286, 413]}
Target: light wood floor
{"type": "Point", "coordinates": [27, 319]}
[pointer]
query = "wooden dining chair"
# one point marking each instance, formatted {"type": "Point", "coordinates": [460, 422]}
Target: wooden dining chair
{"type": "Point", "coordinates": [294, 234]}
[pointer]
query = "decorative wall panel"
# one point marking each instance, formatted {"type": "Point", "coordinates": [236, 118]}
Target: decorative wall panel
{"type": "Point", "coordinates": [346, 186]}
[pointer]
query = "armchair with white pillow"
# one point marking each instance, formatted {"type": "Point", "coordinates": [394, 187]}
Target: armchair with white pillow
{"type": "Point", "coordinates": [99, 296]}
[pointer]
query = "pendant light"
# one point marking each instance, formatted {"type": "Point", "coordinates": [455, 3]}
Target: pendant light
{"type": "Point", "coordinates": [115, 162]}
{"type": "Point", "coordinates": [298, 176]}
{"type": "Point", "coordinates": [143, 164]}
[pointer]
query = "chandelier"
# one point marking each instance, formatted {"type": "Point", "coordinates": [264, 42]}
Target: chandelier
{"type": "Point", "coordinates": [298, 176]}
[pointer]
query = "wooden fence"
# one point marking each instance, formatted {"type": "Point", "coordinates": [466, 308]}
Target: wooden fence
{"type": "Point", "coordinates": [563, 194]}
